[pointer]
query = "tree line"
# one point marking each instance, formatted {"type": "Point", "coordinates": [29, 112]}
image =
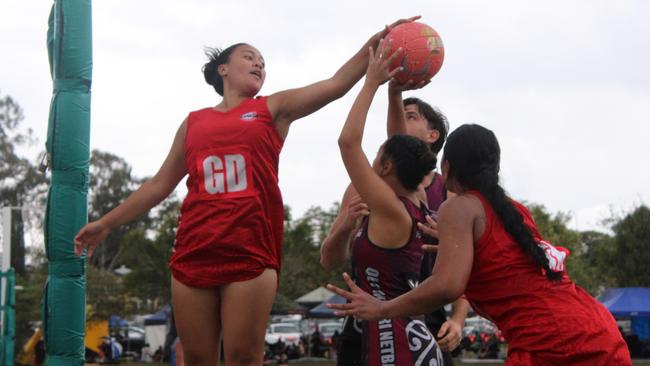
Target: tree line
{"type": "Point", "coordinates": [615, 257]}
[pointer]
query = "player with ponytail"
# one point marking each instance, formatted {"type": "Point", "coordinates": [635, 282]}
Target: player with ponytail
{"type": "Point", "coordinates": [491, 252]}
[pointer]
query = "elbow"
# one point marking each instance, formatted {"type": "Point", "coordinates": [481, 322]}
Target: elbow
{"type": "Point", "coordinates": [451, 296]}
{"type": "Point", "coordinates": [345, 143]}
{"type": "Point", "coordinates": [327, 266]}
{"type": "Point", "coordinates": [452, 292]}
{"type": "Point", "coordinates": [326, 260]}
{"type": "Point", "coordinates": [332, 261]}
{"type": "Point", "coordinates": [447, 289]}
{"type": "Point", "coordinates": [159, 188]}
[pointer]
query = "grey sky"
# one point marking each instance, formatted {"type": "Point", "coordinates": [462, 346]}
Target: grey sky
{"type": "Point", "coordinates": [564, 85]}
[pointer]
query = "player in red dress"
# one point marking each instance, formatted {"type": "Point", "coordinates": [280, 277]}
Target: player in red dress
{"type": "Point", "coordinates": [491, 250]}
{"type": "Point", "coordinates": [228, 246]}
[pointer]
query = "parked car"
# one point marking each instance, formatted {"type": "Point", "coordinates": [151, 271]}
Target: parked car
{"type": "Point", "coordinates": [132, 340]}
{"type": "Point", "coordinates": [288, 333]}
{"type": "Point", "coordinates": [476, 325]}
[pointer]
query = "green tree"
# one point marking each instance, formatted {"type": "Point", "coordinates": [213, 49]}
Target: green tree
{"type": "Point", "coordinates": [28, 296]}
{"type": "Point", "coordinates": [105, 295]}
{"type": "Point", "coordinates": [301, 269]}
{"type": "Point", "coordinates": [629, 260]}
{"type": "Point", "coordinates": [150, 278]}
{"type": "Point", "coordinates": [21, 184]}
{"type": "Point", "coordinates": [110, 183]}
{"type": "Point", "coordinates": [594, 259]}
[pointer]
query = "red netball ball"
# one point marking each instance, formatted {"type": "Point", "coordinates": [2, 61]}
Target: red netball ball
{"type": "Point", "coordinates": [422, 51]}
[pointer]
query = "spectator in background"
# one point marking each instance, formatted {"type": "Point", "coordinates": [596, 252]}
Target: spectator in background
{"type": "Point", "coordinates": [633, 344]}
{"type": "Point", "coordinates": [314, 343]}
{"type": "Point", "coordinates": [39, 352]}
{"type": "Point", "coordinates": [158, 355]}
{"type": "Point", "coordinates": [335, 344]}
{"type": "Point", "coordinates": [146, 354]}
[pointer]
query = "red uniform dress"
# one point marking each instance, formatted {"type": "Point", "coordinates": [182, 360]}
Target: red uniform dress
{"type": "Point", "coordinates": [544, 322]}
{"type": "Point", "coordinates": [231, 222]}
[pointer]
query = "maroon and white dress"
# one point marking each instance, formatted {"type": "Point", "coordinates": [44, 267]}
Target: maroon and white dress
{"type": "Point", "coordinates": [387, 274]}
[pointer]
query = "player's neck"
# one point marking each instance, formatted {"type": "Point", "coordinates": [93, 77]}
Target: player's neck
{"type": "Point", "coordinates": [230, 100]}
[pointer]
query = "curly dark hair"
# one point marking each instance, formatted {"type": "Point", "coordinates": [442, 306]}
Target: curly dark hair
{"type": "Point", "coordinates": [412, 157]}
{"type": "Point", "coordinates": [473, 154]}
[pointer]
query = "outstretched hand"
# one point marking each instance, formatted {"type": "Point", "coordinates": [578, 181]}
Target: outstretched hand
{"type": "Point", "coordinates": [356, 211]}
{"type": "Point", "coordinates": [395, 86]}
{"type": "Point", "coordinates": [388, 28]}
{"type": "Point", "coordinates": [361, 304]}
{"type": "Point", "coordinates": [379, 63]}
{"type": "Point", "coordinates": [89, 237]}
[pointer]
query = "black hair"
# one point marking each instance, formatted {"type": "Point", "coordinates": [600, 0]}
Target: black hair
{"type": "Point", "coordinates": [473, 154]}
{"type": "Point", "coordinates": [412, 157]}
{"type": "Point", "coordinates": [217, 57]}
{"type": "Point", "coordinates": [436, 121]}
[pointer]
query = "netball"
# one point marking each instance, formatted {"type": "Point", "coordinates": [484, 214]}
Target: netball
{"type": "Point", "coordinates": [422, 51]}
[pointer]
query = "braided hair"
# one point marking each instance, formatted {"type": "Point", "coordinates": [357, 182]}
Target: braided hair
{"type": "Point", "coordinates": [473, 154]}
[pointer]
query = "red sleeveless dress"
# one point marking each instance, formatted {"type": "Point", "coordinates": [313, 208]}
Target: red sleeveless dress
{"type": "Point", "coordinates": [231, 222]}
{"type": "Point", "coordinates": [544, 322]}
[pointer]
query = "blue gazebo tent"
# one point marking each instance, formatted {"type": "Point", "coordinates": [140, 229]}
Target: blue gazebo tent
{"type": "Point", "coordinates": [158, 318]}
{"type": "Point", "coordinates": [322, 311]}
{"type": "Point", "coordinates": [630, 302]}
{"type": "Point", "coordinates": [114, 321]}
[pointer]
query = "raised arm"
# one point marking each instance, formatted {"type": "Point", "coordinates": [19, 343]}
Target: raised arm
{"type": "Point", "coordinates": [335, 250]}
{"type": "Point", "coordinates": [396, 118]}
{"type": "Point", "coordinates": [152, 192]}
{"type": "Point", "coordinates": [388, 213]}
{"type": "Point", "coordinates": [290, 105]}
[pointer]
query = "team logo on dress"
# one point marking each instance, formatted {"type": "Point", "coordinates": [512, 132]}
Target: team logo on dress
{"type": "Point", "coordinates": [249, 116]}
{"type": "Point", "coordinates": [555, 255]}
{"type": "Point", "coordinates": [422, 345]}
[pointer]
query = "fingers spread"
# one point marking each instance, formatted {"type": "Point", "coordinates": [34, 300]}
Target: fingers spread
{"type": "Point", "coordinates": [339, 291]}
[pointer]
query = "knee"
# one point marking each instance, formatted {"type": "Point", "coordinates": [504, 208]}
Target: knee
{"type": "Point", "coordinates": [199, 357]}
{"type": "Point", "coordinates": [243, 357]}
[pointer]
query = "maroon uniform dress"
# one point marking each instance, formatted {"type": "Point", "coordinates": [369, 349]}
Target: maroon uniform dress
{"type": "Point", "coordinates": [387, 274]}
{"type": "Point", "coordinates": [544, 322]}
{"type": "Point", "coordinates": [231, 223]}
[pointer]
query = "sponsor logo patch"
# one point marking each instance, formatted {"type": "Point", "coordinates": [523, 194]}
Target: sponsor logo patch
{"type": "Point", "coordinates": [249, 116]}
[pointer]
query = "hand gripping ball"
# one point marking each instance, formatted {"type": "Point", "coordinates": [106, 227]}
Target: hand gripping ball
{"type": "Point", "coordinates": [422, 51]}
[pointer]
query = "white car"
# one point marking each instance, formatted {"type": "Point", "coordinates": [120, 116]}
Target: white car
{"type": "Point", "coordinates": [288, 333]}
